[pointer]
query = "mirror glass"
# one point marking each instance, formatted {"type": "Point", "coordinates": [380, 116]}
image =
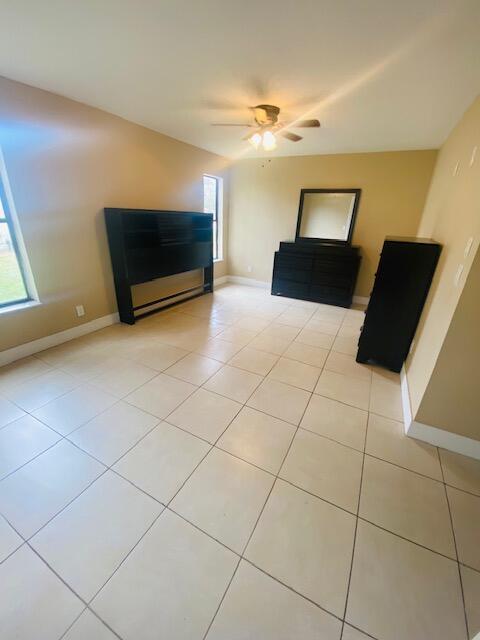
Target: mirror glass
{"type": "Point", "coordinates": [327, 215]}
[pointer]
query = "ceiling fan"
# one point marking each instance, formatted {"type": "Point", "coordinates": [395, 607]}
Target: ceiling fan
{"type": "Point", "coordinates": [267, 126]}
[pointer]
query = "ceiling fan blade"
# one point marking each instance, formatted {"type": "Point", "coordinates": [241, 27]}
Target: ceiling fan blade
{"type": "Point", "coordinates": [290, 136]}
{"type": "Point", "coordinates": [230, 124]}
{"type": "Point", "coordinates": [306, 123]}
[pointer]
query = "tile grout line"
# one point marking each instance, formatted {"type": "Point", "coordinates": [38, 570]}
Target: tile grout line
{"type": "Point", "coordinates": [455, 545]}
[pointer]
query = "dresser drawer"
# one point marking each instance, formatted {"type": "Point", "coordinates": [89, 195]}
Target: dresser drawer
{"type": "Point", "coordinates": [288, 288]}
{"type": "Point", "coordinates": [289, 261]}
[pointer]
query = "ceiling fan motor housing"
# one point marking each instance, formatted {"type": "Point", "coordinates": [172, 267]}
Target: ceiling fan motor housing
{"type": "Point", "coordinates": [266, 114]}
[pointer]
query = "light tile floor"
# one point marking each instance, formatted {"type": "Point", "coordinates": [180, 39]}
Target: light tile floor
{"type": "Point", "coordinates": [225, 470]}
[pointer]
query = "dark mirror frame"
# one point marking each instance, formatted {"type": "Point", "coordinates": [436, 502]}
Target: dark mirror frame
{"type": "Point", "coordinates": [299, 238]}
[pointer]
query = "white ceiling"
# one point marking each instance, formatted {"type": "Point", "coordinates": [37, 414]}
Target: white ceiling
{"type": "Point", "coordinates": [379, 74]}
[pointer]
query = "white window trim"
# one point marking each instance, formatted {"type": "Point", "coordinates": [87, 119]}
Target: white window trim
{"type": "Point", "coordinates": [219, 180]}
{"type": "Point", "coordinates": [22, 257]}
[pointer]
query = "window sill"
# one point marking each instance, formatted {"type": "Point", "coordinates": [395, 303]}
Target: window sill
{"type": "Point", "coordinates": [21, 306]}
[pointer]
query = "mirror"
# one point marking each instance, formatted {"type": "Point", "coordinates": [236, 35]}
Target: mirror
{"type": "Point", "coordinates": [327, 215]}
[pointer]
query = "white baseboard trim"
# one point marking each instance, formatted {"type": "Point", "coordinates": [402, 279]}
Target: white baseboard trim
{"type": "Point", "coordinates": [29, 348]}
{"type": "Point", "coordinates": [219, 281]}
{"type": "Point", "coordinates": [434, 435]}
{"type": "Point", "coordinates": [249, 282]}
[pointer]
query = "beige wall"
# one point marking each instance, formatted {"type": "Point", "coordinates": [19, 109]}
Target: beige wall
{"type": "Point", "coordinates": [451, 216]}
{"type": "Point", "coordinates": [265, 195]}
{"type": "Point", "coordinates": [66, 162]}
{"type": "Point", "coordinates": [452, 399]}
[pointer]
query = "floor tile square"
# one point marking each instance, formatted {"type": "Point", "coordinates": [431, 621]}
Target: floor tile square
{"type": "Point", "coordinates": [253, 323]}
{"type": "Point", "coordinates": [39, 390]}
{"type": "Point", "coordinates": [325, 468]}
{"type": "Point", "coordinates": [258, 607]}
{"type": "Point", "coordinates": [158, 356]}
{"type": "Point", "coordinates": [386, 439]}
{"type": "Point", "coordinates": [89, 627]}
{"type": "Point", "coordinates": [294, 317]}
{"type": "Point", "coordinates": [22, 440]}
{"type": "Point", "coordinates": [465, 510]}
{"type": "Point", "coordinates": [280, 400]}
{"type": "Point", "coordinates": [161, 395]}
{"type": "Point", "coordinates": [351, 390]}
{"type": "Point", "coordinates": [34, 603]}
{"type": "Point", "coordinates": [471, 591]}
{"type": "Point", "coordinates": [305, 543]}
{"type": "Point", "coordinates": [346, 344]}
{"type": "Point", "coordinates": [328, 327]}
{"type": "Point", "coordinates": [461, 472]}
{"type": "Point", "coordinates": [112, 433]}
{"type": "Point", "coordinates": [297, 374]}
{"type": "Point", "coordinates": [336, 420]}
{"type": "Point", "coordinates": [9, 539]}
{"type": "Point", "coordinates": [194, 368]}
{"type": "Point", "coordinates": [258, 438]}
{"type": "Point", "coordinates": [346, 364]}
{"type": "Point", "coordinates": [9, 412]}
{"type": "Point", "coordinates": [253, 360]}
{"type": "Point", "coordinates": [386, 396]}
{"type": "Point", "coordinates": [314, 356]}
{"type": "Point", "coordinates": [124, 378]}
{"type": "Point", "coordinates": [234, 383]}
{"type": "Point", "coordinates": [161, 462]}
{"type": "Point", "coordinates": [218, 349]}
{"type": "Point", "coordinates": [407, 504]}
{"type": "Point", "coordinates": [224, 497]}
{"type": "Point", "coordinates": [88, 540]}
{"type": "Point", "coordinates": [314, 338]}
{"type": "Point", "coordinates": [399, 590]}
{"type": "Point", "coordinates": [70, 411]}
{"type": "Point", "coordinates": [237, 335]}
{"type": "Point", "coordinates": [281, 331]}
{"type": "Point", "coordinates": [35, 493]}
{"type": "Point", "coordinates": [270, 343]}
{"type": "Point", "coordinates": [205, 414]}
{"type": "Point", "coordinates": [14, 374]}
{"type": "Point", "coordinates": [177, 566]}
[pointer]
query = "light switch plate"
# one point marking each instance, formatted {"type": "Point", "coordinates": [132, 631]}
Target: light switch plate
{"type": "Point", "coordinates": [80, 310]}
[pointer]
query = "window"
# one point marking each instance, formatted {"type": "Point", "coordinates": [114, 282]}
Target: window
{"type": "Point", "coordinates": [13, 284]}
{"type": "Point", "coordinates": [212, 203]}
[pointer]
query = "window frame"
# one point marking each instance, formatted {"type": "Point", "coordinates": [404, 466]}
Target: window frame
{"type": "Point", "coordinates": [9, 219]}
{"type": "Point", "coordinates": [217, 215]}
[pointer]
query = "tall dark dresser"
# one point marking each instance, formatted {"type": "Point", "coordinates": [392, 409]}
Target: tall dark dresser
{"type": "Point", "coordinates": [402, 281]}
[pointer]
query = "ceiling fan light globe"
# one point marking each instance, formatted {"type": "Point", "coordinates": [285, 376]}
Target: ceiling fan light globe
{"type": "Point", "coordinates": [269, 141]}
{"type": "Point", "coordinates": [255, 140]}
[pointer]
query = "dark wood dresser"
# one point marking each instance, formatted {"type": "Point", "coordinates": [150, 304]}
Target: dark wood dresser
{"type": "Point", "coordinates": [320, 272]}
{"type": "Point", "coordinates": [402, 281]}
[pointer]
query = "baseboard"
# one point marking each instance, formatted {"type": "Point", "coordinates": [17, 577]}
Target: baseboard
{"type": "Point", "coordinates": [433, 435]}
{"type": "Point", "coordinates": [249, 282]}
{"type": "Point", "coordinates": [35, 346]}
{"type": "Point", "coordinates": [219, 281]}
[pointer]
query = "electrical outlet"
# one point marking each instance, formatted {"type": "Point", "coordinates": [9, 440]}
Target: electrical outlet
{"type": "Point", "coordinates": [249, 268]}
{"type": "Point", "coordinates": [468, 246]}
{"type": "Point", "coordinates": [473, 156]}
{"type": "Point", "coordinates": [458, 275]}
{"type": "Point", "coordinates": [80, 311]}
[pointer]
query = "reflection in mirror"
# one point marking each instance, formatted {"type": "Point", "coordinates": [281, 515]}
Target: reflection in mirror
{"type": "Point", "coordinates": [327, 215]}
